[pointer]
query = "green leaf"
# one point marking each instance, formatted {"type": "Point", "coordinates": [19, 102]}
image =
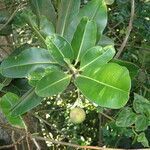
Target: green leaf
{"type": "Point", "coordinates": [141, 105]}
{"type": "Point", "coordinates": [4, 82]}
{"type": "Point", "coordinates": [126, 117]}
{"type": "Point", "coordinates": [141, 123]}
{"type": "Point", "coordinates": [59, 48]}
{"type": "Point", "coordinates": [35, 76]}
{"type": "Point", "coordinates": [84, 38]}
{"type": "Point", "coordinates": [54, 83]}
{"type": "Point", "coordinates": [67, 11]}
{"type": "Point", "coordinates": [97, 56]}
{"type": "Point", "coordinates": [133, 69]}
{"type": "Point", "coordinates": [44, 8]}
{"type": "Point", "coordinates": [107, 86]}
{"type": "Point", "coordinates": [45, 27]}
{"type": "Point", "coordinates": [6, 102]}
{"type": "Point", "coordinates": [109, 2]}
{"type": "Point", "coordinates": [27, 102]}
{"type": "Point", "coordinates": [95, 10]}
{"type": "Point", "coordinates": [142, 139]}
{"type": "Point", "coordinates": [105, 40]}
{"type": "Point", "coordinates": [28, 60]}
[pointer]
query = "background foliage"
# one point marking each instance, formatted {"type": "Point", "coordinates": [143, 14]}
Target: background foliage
{"type": "Point", "coordinates": [112, 128]}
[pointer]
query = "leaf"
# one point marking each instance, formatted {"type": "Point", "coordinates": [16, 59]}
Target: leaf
{"type": "Point", "coordinates": [107, 86]}
{"type": "Point", "coordinates": [141, 105]}
{"type": "Point", "coordinates": [67, 11]}
{"type": "Point", "coordinates": [35, 76]}
{"type": "Point", "coordinates": [126, 117]}
{"type": "Point", "coordinates": [141, 123]}
{"type": "Point", "coordinates": [84, 38]}
{"type": "Point", "coordinates": [44, 28]}
{"type": "Point", "coordinates": [59, 48]}
{"type": "Point", "coordinates": [6, 102]}
{"type": "Point", "coordinates": [28, 60]}
{"type": "Point", "coordinates": [4, 82]}
{"type": "Point", "coordinates": [95, 10]}
{"type": "Point", "coordinates": [142, 139]}
{"type": "Point", "coordinates": [109, 2]}
{"type": "Point", "coordinates": [52, 84]}
{"type": "Point", "coordinates": [27, 102]}
{"type": "Point", "coordinates": [44, 8]}
{"type": "Point", "coordinates": [97, 56]}
{"type": "Point", "coordinates": [133, 69]}
{"type": "Point", "coordinates": [105, 40]}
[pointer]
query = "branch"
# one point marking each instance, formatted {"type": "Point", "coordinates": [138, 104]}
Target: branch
{"type": "Point", "coordinates": [129, 28]}
{"type": "Point", "coordinates": [13, 139]}
{"type": "Point", "coordinates": [12, 145]}
{"type": "Point", "coordinates": [73, 145]}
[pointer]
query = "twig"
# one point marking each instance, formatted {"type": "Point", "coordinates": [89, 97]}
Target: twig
{"type": "Point", "coordinates": [73, 145]}
{"type": "Point", "coordinates": [110, 118]}
{"type": "Point", "coordinates": [13, 139]}
{"type": "Point", "coordinates": [36, 144]}
{"type": "Point", "coordinates": [27, 140]}
{"type": "Point", "coordinates": [8, 126]}
{"type": "Point", "coordinates": [12, 145]}
{"type": "Point", "coordinates": [11, 17]}
{"type": "Point", "coordinates": [129, 28]}
{"type": "Point", "coordinates": [100, 130]}
{"type": "Point", "coordinates": [47, 123]}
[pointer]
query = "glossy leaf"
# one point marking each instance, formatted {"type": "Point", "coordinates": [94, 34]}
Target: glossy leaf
{"type": "Point", "coordinates": [27, 102]}
{"type": "Point", "coordinates": [95, 10]}
{"type": "Point", "coordinates": [133, 69]}
{"type": "Point", "coordinates": [84, 38]}
{"type": "Point", "coordinates": [4, 82]}
{"type": "Point", "coordinates": [6, 102]}
{"type": "Point", "coordinates": [126, 118]}
{"type": "Point", "coordinates": [105, 40]}
{"type": "Point", "coordinates": [67, 11]}
{"type": "Point", "coordinates": [59, 48]}
{"type": "Point", "coordinates": [142, 139]}
{"type": "Point", "coordinates": [35, 76]}
{"type": "Point", "coordinates": [141, 123]}
{"type": "Point", "coordinates": [107, 86]}
{"type": "Point", "coordinates": [44, 8]}
{"type": "Point", "coordinates": [97, 56]}
{"type": "Point", "coordinates": [53, 83]}
{"type": "Point", "coordinates": [109, 2]}
{"type": "Point", "coordinates": [28, 60]}
{"type": "Point", "coordinates": [46, 28]}
{"type": "Point", "coordinates": [141, 105]}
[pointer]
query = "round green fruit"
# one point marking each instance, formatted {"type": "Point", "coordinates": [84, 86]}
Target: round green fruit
{"type": "Point", "coordinates": [77, 115]}
{"type": "Point", "coordinates": [109, 2]}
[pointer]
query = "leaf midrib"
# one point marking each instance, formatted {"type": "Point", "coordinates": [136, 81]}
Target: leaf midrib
{"type": "Point", "coordinates": [93, 61]}
{"type": "Point", "coordinates": [55, 83]}
{"type": "Point", "coordinates": [29, 64]}
{"type": "Point", "coordinates": [64, 24]}
{"type": "Point", "coordinates": [86, 77]}
{"type": "Point", "coordinates": [79, 52]}
{"type": "Point", "coordinates": [94, 14]}
{"type": "Point", "coordinates": [58, 49]}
